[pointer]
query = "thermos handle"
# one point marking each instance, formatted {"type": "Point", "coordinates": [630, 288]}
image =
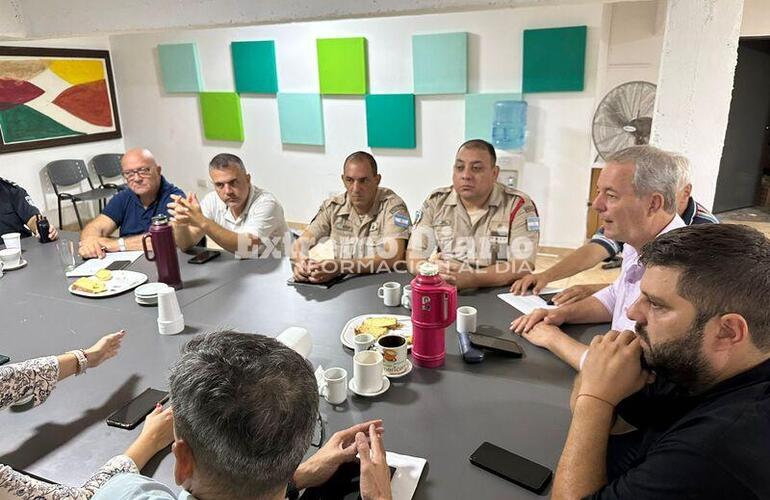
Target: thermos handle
{"type": "Point", "coordinates": [144, 246]}
{"type": "Point", "coordinates": [450, 308]}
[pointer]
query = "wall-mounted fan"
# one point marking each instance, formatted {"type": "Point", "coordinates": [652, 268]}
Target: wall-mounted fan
{"type": "Point", "coordinates": [624, 117]}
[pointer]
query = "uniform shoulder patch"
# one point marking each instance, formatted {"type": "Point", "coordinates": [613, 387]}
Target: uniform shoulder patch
{"type": "Point", "coordinates": [401, 220]}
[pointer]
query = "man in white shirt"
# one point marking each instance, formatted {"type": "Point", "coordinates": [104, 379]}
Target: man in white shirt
{"type": "Point", "coordinates": [238, 216]}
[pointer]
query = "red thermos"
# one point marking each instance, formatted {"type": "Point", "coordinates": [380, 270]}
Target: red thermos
{"type": "Point", "coordinates": [434, 306]}
{"type": "Point", "coordinates": [163, 251]}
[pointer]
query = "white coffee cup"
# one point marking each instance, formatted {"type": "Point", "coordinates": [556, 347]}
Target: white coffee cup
{"type": "Point", "coordinates": [406, 297]}
{"type": "Point", "coordinates": [393, 348]}
{"type": "Point", "coordinates": [297, 339]}
{"type": "Point", "coordinates": [10, 256]}
{"type": "Point", "coordinates": [362, 342]}
{"type": "Point", "coordinates": [335, 386]}
{"type": "Point", "coordinates": [170, 319]}
{"type": "Point", "coordinates": [12, 240]}
{"type": "Point", "coordinates": [367, 371]}
{"type": "Point", "coordinates": [390, 292]}
{"type": "Point", "coordinates": [466, 319]}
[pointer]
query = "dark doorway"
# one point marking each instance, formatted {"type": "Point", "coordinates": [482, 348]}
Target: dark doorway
{"type": "Point", "coordinates": [746, 153]}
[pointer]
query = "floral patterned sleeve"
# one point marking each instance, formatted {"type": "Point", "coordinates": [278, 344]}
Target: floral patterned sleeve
{"type": "Point", "coordinates": [16, 485]}
{"type": "Point", "coordinates": [35, 377]}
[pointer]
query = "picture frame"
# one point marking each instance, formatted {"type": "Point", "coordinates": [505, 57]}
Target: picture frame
{"type": "Point", "coordinates": [55, 97]}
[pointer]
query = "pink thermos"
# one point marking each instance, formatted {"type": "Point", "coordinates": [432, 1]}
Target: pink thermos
{"type": "Point", "coordinates": [163, 251]}
{"type": "Point", "coordinates": [434, 305]}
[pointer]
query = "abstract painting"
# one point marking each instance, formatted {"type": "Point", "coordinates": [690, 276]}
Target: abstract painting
{"type": "Point", "coordinates": [554, 59]}
{"type": "Point", "coordinates": [55, 97]}
{"type": "Point", "coordinates": [342, 68]}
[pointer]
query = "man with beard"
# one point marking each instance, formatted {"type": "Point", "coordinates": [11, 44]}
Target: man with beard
{"type": "Point", "coordinates": [636, 203]}
{"type": "Point", "coordinates": [701, 406]}
{"type": "Point", "coordinates": [240, 217]}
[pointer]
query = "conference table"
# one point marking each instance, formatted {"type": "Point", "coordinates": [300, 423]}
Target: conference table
{"type": "Point", "coordinates": [440, 414]}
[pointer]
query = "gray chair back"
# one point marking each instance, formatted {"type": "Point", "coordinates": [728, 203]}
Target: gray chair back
{"type": "Point", "coordinates": [67, 172]}
{"type": "Point", "coordinates": [107, 165]}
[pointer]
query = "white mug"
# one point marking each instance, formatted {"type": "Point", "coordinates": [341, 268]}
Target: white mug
{"type": "Point", "coordinates": [390, 292]}
{"type": "Point", "coordinates": [12, 240]}
{"type": "Point", "coordinates": [393, 348]}
{"type": "Point", "coordinates": [335, 386]}
{"type": "Point", "coordinates": [10, 256]}
{"type": "Point", "coordinates": [362, 342]}
{"type": "Point", "coordinates": [406, 297]}
{"type": "Point", "coordinates": [466, 319]}
{"type": "Point", "coordinates": [298, 339]}
{"type": "Point", "coordinates": [367, 371]}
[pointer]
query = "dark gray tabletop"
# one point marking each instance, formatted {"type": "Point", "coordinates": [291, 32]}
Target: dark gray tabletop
{"type": "Point", "coordinates": [439, 414]}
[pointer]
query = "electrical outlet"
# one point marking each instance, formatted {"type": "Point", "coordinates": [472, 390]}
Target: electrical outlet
{"type": "Point", "coordinates": [201, 183]}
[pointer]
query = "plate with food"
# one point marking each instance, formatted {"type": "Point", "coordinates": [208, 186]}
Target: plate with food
{"type": "Point", "coordinates": [377, 325]}
{"type": "Point", "coordinates": [106, 283]}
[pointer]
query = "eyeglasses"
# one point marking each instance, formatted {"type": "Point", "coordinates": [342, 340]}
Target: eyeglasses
{"type": "Point", "coordinates": [319, 433]}
{"type": "Point", "coordinates": [140, 172]}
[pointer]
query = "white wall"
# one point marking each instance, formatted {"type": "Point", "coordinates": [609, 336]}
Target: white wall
{"type": "Point", "coordinates": [558, 154]}
{"type": "Point", "coordinates": [756, 18]}
{"type": "Point", "coordinates": [700, 51]}
{"type": "Point", "coordinates": [57, 18]}
{"type": "Point", "coordinates": [27, 168]}
{"type": "Point", "coordinates": [635, 41]}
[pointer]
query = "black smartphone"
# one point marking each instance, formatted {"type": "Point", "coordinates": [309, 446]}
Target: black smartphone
{"type": "Point", "coordinates": [118, 265]}
{"type": "Point", "coordinates": [4, 359]}
{"type": "Point", "coordinates": [135, 410]}
{"type": "Point", "coordinates": [497, 344]}
{"type": "Point", "coordinates": [204, 256]}
{"type": "Point", "coordinates": [548, 297]}
{"type": "Point", "coordinates": [512, 467]}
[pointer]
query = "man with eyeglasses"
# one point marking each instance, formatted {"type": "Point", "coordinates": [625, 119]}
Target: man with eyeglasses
{"type": "Point", "coordinates": [131, 209]}
{"type": "Point", "coordinates": [367, 226]}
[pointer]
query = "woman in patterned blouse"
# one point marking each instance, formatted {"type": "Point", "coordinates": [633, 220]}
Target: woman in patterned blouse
{"type": "Point", "coordinates": [34, 380]}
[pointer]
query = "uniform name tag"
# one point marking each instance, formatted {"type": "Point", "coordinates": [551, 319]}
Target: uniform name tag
{"type": "Point", "coordinates": [533, 223]}
{"type": "Point", "coordinates": [401, 220]}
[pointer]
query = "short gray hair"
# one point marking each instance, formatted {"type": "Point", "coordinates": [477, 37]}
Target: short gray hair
{"type": "Point", "coordinates": [657, 171]}
{"type": "Point", "coordinates": [247, 405]}
{"type": "Point", "coordinates": [685, 171]}
{"type": "Point", "coordinates": [226, 160]}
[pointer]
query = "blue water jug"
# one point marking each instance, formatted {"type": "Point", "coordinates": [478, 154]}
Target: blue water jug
{"type": "Point", "coordinates": [509, 125]}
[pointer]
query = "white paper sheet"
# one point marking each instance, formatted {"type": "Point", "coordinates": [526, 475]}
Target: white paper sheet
{"type": "Point", "coordinates": [528, 303]}
{"type": "Point", "coordinates": [407, 475]}
{"type": "Point", "coordinates": [89, 267]}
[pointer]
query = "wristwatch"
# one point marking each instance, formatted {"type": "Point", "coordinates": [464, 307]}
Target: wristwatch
{"type": "Point", "coordinates": [122, 244]}
{"type": "Point", "coordinates": [82, 360]}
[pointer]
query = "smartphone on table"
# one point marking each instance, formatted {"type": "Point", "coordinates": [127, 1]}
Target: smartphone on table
{"type": "Point", "coordinates": [512, 467]}
{"type": "Point", "coordinates": [118, 265]}
{"type": "Point", "coordinates": [204, 256]}
{"type": "Point", "coordinates": [133, 412]}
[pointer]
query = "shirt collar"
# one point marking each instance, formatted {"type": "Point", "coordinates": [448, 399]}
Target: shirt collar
{"type": "Point", "coordinates": [163, 188]}
{"type": "Point", "coordinates": [758, 373]}
{"type": "Point", "coordinates": [253, 193]}
{"type": "Point", "coordinates": [689, 212]}
{"type": "Point", "coordinates": [494, 200]}
{"type": "Point", "coordinates": [347, 208]}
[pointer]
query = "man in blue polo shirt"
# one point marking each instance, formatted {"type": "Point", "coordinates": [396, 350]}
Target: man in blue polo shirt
{"type": "Point", "coordinates": [131, 209]}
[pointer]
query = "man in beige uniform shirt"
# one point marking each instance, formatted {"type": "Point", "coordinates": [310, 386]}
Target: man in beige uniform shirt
{"type": "Point", "coordinates": [484, 234]}
{"type": "Point", "coordinates": [367, 226]}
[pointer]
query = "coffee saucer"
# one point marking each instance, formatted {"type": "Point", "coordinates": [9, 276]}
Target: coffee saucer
{"type": "Point", "coordinates": [405, 371]}
{"type": "Point", "coordinates": [385, 387]}
{"type": "Point", "coordinates": [21, 264]}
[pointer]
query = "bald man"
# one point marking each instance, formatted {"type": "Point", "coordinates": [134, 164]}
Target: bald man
{"type": "Point", "coordinates": [131, 209]}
